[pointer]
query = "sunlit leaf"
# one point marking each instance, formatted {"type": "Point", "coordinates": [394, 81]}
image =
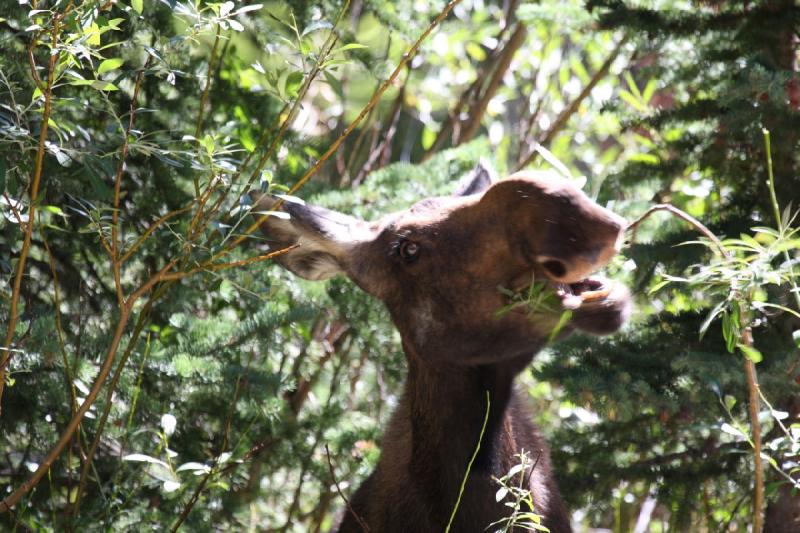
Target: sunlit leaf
{"type": "Point", "coordinates": [750, 352]}
{"type": "Point", "coordinates": [110, 64]}
{"type": "Point", "coordinates": [140, 457]}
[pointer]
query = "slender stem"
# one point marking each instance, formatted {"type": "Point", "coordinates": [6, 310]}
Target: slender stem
{"type": "Point", "coordinates": [154, 226]}
{"type": "Point", "coordinates": [66, 436]}
{"type": "Point", "coordinates": [469, 465]}
{"type": "Point", "coordinates": [116, 264]}
{"type": "Point", "coordinates": [753, 392]}
{"type": "Point", "coordinates": [5, 356]}
{"type": "Point", "coordinates": [696, 224]}
{"type": "Point", "coordinates": [132, 342]}
{"type": "Point", "coordinates": [204, 97]}
{"type": "Point", "coordinates": [750, 369]}
{"type": "Point", "coordinates": [771, 180]}
{"type": "Point", "coordinates": [776, 212]}
{"type": "Point", "coordinates": [361, 522]}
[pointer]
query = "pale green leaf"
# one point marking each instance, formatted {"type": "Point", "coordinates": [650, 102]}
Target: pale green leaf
{"type": "Point", "coordinates": [110, 64]}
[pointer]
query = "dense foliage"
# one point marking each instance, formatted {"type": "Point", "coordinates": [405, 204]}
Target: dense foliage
{"type": "Point", "coordinates": [221, 393]}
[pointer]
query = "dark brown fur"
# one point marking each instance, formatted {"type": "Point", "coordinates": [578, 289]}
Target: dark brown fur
{"type": "Point", "coordinates": [444, 302]}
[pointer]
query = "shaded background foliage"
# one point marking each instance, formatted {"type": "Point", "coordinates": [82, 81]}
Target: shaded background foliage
{"type": "Point", "coordinates": [235, 380]}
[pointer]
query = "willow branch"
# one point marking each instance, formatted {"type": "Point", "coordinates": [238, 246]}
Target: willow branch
{"type": "Point", "coordinates": [361, 522]}
{"type": "Point", "coordinates": [214, 267]}
{"type": "Point", "coordinates": [696, 224]}
{"type": "Point", "coordinates": [5, 356]}
{"type": "Point", "coordinates": [753, 408]}
{"type": "Point", "coordinates": [116, 264]}
{"type": "Point", "coordinates": [154, 226]}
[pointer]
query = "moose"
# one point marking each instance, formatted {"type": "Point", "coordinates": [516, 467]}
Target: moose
{"type": "Point", "coordinates": [438, 267]}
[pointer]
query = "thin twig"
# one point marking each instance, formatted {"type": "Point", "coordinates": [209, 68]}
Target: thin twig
{"type": "Point", "coordinates": [116, 264]}
{"type": "Point", "coordinates": [469, 465]}
{"type": "Point", "coordinates": [214, 267]}
{"type": "Point", "coordinates": [696, 224]}
{"type": "Point", "coordinates": [204, 96]}
{"type": "Point", "coordinates": [752, 388]}
{"type": "Point", "coordinates": [150, 229]}
{"type": "Point", "coordinates": [361, 522]}
{"type": "Point", "coordinates": [5, 356]}
{"type": "Point", "coordinates": [199, 490]}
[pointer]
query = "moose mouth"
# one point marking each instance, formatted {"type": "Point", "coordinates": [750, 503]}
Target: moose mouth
{"type": "Point", "coordinates": [531, 295]}
{"type": "Point", "coordinates": [590, 290]}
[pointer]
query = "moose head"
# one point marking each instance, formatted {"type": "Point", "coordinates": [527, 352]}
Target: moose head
{"type": "Point", "coordinates": [445, 268]}
{"type": "Point", "coordinates": [438, 266]}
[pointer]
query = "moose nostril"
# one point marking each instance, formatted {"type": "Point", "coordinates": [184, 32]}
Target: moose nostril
{"type": "Point", "coordinates": [555, 268]}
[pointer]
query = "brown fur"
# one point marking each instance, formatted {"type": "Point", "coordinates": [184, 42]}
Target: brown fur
{"type": "Point", "coordinates": [444, 302]}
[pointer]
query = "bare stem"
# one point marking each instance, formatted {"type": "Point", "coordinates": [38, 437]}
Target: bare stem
{"type": "Point", "coordinates": [753, 393]}
{"type": "Point", "coordinates": [5, 356]}
{"type": "Point", "coordinates": [204, 97]}
{"type": "Point", "coordinates": [116, 263]}
{"type": "Point", "coordinates": [776, 211]}
{"type": "Point", "coordinates": [361, 522]}
{"type": "Point", "coordinates": [696, 224]}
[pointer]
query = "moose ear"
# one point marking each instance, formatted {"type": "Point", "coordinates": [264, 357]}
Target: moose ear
{"type": "Point", "coordinates": [477, 181]}
{"type": "Point", "coordinates": [324, 238]}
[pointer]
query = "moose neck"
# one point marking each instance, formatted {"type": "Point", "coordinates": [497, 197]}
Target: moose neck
{"type": "Point", "coordinates": [446, 407]}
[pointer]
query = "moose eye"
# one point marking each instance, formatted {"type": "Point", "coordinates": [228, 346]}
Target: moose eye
{"type": "Point", "coordinates": [408, 250]}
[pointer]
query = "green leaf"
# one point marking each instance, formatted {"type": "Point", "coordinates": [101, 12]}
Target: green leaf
{"type": "Point", "coordinates": [114, 23]}
{"type": "Point", "coordinates": [660, 285]}
{"type": "Point", "coordinates": [750, 352]}
{"type": "Point", "coordinates": [730, 401]}
{"type": "Point", "coordinates": [142, 458]}
{"type": "Point", "coordinates": [2, 175]}
{"type": "Point", "coordinates": [719, 308]}
{"type": "Point", "coordinates": [350, 46]}
{"type": "Point", "coordinates": [104, 86]}
{"type": "Point", "coordinates": [428, 137]}
{"type": "Point", "coordinates": [796, 337]}
{"type": "Point", "coordinates": [293, 83]}
{"type": "Point", "coordinates": [110, 64]}
{"type": "Point", "coordinates": [649, 90]}
{"type": "Point", "coordinates": [632, 100]}
{"type": "Point", "coordinates": [632, 85]}
{"type": "Point", "coordinates": [137, 5]}
{"type": "Point", "coordinates": [726, 327]}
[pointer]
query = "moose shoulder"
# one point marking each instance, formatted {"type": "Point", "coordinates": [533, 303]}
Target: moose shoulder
{"type": "Point", "coordinates": [437, 267]}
